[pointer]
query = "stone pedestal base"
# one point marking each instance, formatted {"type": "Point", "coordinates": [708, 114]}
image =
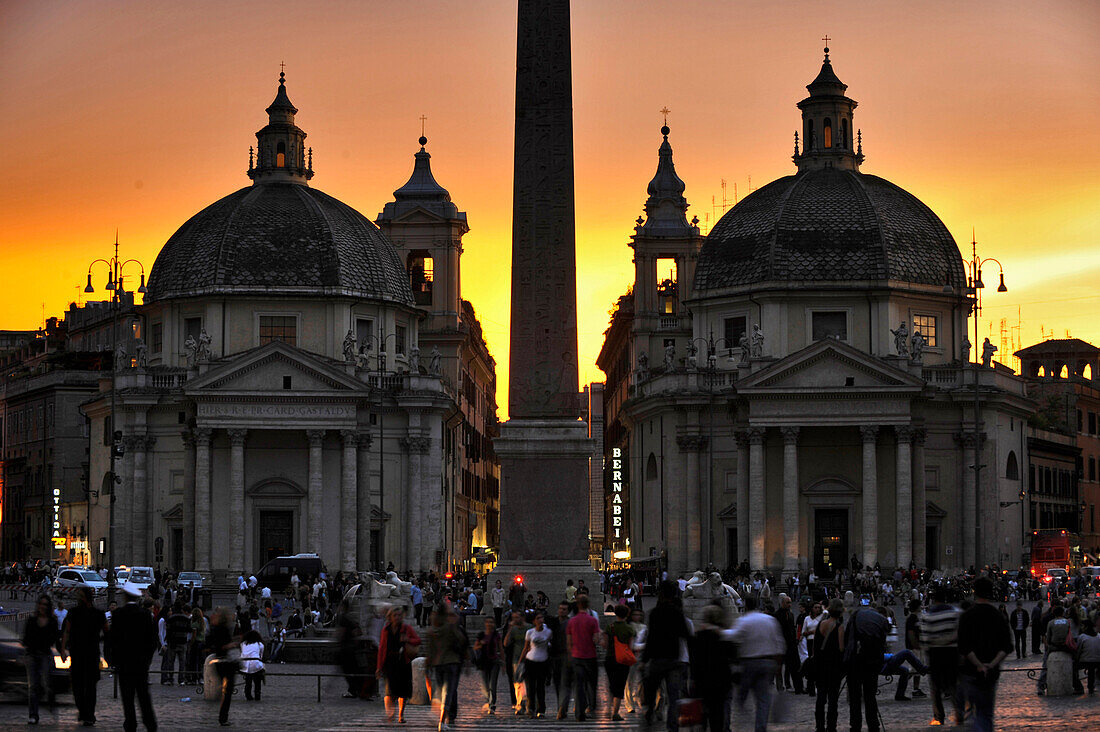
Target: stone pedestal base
{"type": "Point", "coordinates": [550, 577]}
{"type": "Point", "coordinates": [1059, 674]}
{"type": "Point", "coordinates": [544, 506]}
{"type": "Point", "coordinates": [420, 682]}
{"type": "Point", "coordinates": [693, 608]}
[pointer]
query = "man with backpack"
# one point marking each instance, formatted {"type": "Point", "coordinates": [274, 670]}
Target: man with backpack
{"type": "Point", "coordinates": [864, 653]}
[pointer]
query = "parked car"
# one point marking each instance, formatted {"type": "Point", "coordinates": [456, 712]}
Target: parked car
{"type": "Point", "coordinates": [189, 579]}
{"type": "Point", "coordinates": [141, 576]}
{"type": "Point", "coordinates": [276, 573]}
{"type": "Point", "coordinates": [80, 577]}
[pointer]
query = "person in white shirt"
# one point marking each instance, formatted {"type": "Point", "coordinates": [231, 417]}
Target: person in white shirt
{"type": "Point", "coordinates": [252, 665]}
{"type": "Point", "coordinates": [761, 648]}
{"type": "Point", "coordinates": [536, 660]}
{"type": "Point", "coordinates": [265, 593]}
{"type": "Point", "coordinates": [497, 597]}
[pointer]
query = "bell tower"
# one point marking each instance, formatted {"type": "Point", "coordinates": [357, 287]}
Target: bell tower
{"type": "Point", "coordinates": [427, 229]}
{"type": "Point", "coordinates": [829, 137]}
{"type": "Point", "coordinates": [666, 246]}
{"type": "Point", "coordinates": [281, 155]}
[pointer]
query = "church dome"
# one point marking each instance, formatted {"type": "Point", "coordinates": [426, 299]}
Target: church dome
{"type": "Point", "coordinates": [279, 236]}
{"type": "Point", "coordinates": [829, 224]}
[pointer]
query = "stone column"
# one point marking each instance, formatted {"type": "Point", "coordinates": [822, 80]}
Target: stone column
{"type": "Point", "coordinates": [904, 495]}
{"type": "Point", "coordinates": [363, 504]}
{"type": "Point", "coordinates": [969, 499]}
{"type": "Point", "coordinates": [790, 500]}
{"type": "Point", "coordinates": [237, 534]}
{"type": "Point", "coordinates": [349, 512]}
{"type": "Point", "coordinates": [140, 537]}
{"type": "Point", "coordinates": [316, 485]}
{"type": "Point", "coordinates": [188, 504]}
{"type": "Point", "coordinates": [414, 501]}
{"type": "Point", "coordinates": [870, 495]}
{"type": "Point", "coordinates": [123, 497]}
{"type": "Point", "coordinates": [202, 500]}
{"type": "Point", "coordinates": [742, 495]}
{"type": "Point", "coordinates": [920, 508]}
{"type": "Point", "coordinates": [757, 498]}
{"type": "Point", "coordinates": [691, 533]}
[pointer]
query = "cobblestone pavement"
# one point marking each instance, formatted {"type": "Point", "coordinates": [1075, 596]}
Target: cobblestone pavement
{"type": "Point", "coordinates": [290, 703]}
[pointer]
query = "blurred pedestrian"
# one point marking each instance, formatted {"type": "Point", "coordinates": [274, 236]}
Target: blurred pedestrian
{"type": "Point", "coordinates": [985, 640]}
{"type": "Point", "coordinates": [710, 668]}
{"type": "Point", "coordinates": [828, 664]}
{"type": "Point", "coordinates": [397, 646]}
{"type": "Point", "coordinates": [447, 650]}
{"type": "Point", "coordinates": [761, 648]}
{"type": "Point", "coordinates": [667, 629]}
{"type": "Point", "coordinates": [84, 628]}
{"type": "Point", "coordinates": [536, 660]}
{"type": "Point", "coordinates": [619, 640]}
{"type": "Point", "coordinates": [225, 645]}
{"type": "Point", "coordinates": [40, 636]}
{"type": "Point", "coordinates": [131, 645]}
{"type": "Point", "coordinates": [488, 654]}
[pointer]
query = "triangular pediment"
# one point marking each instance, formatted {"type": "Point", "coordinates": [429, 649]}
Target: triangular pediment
{"type": "Point", "coordinates": [266, 369]}
{"type": "Point", "coordinates": [418, 215]}
{"type": "Point", "coordinates": [830, 365]}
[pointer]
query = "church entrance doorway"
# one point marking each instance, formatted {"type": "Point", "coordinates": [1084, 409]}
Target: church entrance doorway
{"type": "Point", "coordinates": [830, 540]}
{"type": "Point", "coordinates": [275, 536]}
{"type": "Point", "coordinates": [931, 546]}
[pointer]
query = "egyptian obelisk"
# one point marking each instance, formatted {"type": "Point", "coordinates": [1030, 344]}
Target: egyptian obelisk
{"type": "Point", "coordinates": [543, 447]}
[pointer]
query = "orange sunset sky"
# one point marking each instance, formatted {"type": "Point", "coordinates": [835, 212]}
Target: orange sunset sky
{"type": "Point", "coordinates": [136, 115]}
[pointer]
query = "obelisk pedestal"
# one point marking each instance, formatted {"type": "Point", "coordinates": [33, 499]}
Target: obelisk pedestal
{"type": "Point", "coordinates": [544, 449]}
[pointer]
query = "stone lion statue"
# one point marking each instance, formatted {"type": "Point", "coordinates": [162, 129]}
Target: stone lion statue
{"type": "Point", "coordinates": [404, 589]}
{"type": "Point", "coordinates": [719, 588]}
{"type": "Point", "coordinates": [696, 584]}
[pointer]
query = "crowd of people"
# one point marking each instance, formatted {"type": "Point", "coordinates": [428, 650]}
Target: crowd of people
{"type": "Point", "coordinates": [814, 638]}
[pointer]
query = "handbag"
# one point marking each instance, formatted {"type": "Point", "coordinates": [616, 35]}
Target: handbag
{"type": "Point", "coordinates": [520, 672]}
{"type": "Point", "coordinates": [624, 654]}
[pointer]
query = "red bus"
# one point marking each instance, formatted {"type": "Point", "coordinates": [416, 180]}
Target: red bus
{"type": "Point", "coordinates": [1054, 549]}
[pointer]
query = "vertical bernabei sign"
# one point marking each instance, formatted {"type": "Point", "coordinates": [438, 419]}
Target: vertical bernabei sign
{"type": "Point", "coordinates": [619, 526]}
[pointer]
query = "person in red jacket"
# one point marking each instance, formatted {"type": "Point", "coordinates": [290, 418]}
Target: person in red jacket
{"type": "Point", "coordinates": [396, 649]}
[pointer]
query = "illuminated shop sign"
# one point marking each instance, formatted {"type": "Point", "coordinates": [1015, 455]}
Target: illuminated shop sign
{"type": "Point", "coordinates": [618, 479]}
{"type": "Point", "coordinates": [58, 540]}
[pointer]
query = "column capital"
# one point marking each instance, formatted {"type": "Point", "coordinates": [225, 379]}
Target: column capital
{"type": "Point", "coordinates": [691, 443]}
{"type": "Point", "coordinates": [133, 441]}
{"type": "Point", "coordinates": [237, 436]}
{"type": "Point", "coordinates": [869, 432]}
{"type": "Point", "coordinates": [742, 438]}
{"type": "Point", "coordinates": [919, 435]}
{"type": "Point", "coordinates": [904, 433]}
{"type": "Point", "coordinates": [315, 437]}
{"type": "Point", "coordinates": [790, 435]}
{"type": "Point", "coordinates": [756, 435]}
{"type": "Point", "coordinates": [967, 439]}
{"type": "Point", "coordinates": [349, 437]}
{"type": "Point", "coordinates": [188, 437]}
{"type": "Point", "coordinates": [202, 436]}
{"type": "Point", "coordinates": [364, 439]}
{"type": "Point", "coordinates": [416, 444]}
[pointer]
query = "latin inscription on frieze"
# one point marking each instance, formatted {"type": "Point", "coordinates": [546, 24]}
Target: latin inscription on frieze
{"type": "Point", "coordinates": [277, 411]}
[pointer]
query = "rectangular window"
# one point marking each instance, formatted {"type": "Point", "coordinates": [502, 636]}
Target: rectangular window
{"type": "Point", "coordinates": [1092, 468]}
{"type": "Point", "coordinates": [192, 328]}
{"type": "Point", "coordinates": [156, 337]}
{"type": "Point", "coordinates": [1092, 423]}
{"type": "Point", "coordinates": [926, 325]}
{"type": "Point", "coordinates": [399, 340]}
{"type": "Point", "coordinates": [733, 329]}
{"type": "Point", "coordinates": [279, 328]}
{"type": "Point", "coordinates": [364, 333]}
{"type": "Point", "coordinates": [830, 324]}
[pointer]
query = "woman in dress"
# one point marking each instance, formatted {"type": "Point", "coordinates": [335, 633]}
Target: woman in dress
{"type": "Point", "coordinates": [397, 647]}
{"type": "Point", "coordinates": [828, 663]}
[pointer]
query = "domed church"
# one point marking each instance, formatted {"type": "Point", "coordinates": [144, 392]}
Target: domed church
{"type": "Point", "coordinates": [795, 389]}
{"type": "Point", "coordinates": [294, 382]}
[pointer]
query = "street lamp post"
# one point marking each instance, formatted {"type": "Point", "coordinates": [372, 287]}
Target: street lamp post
{"type": "Point", "coordinates": [115, 267]}
{"type": "Point", "coordinates": [976, 286]}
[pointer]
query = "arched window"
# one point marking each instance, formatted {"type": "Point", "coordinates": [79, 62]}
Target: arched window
{"type": "Point", "coordinates": [843, 134]}
{"type": "Point", "coordinates": [421, 270]}
{"type": "Point", "coordinates": [280, 155]}
{"type": "Point", "coordinates": [651, 467]}
{"type": "Point", "coordinates": [827, 132]}
{"type": "Point", "coordinates": [1086, 373]}
{"type": "Point", "coordinates": [1012, 469]}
